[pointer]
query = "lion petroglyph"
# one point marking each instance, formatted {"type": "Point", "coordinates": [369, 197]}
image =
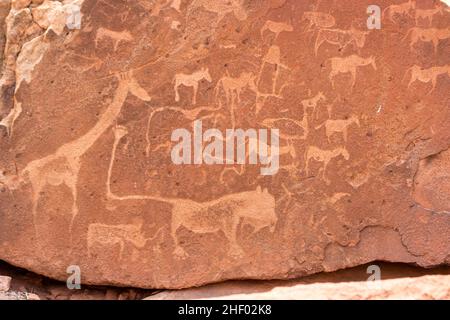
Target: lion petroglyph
{"type": "Point", "coordinates": [428, 14]}
{"type": "Point", "coordinates": [324, 156]}
{"type": "Point", "coordinates": [432, 35]}
{"type": "Point", "coordinates": [63, 166]}
{"type": "Point", "coordinates": [319, 20]}
{"type": "Point", "coordinates": [111, 235]}
{"type": "Point", "coordinates": [255, 208]}
{"type": "Point", "coordinates": [339, 126]}
{"type": "Point", "coordinates": [350, 65]}
{"type": "Point", "coordinates": [115, 36]}
{"type": "Point", "coordinates": [399, 9]}
{"type": "Point", "coordinates": [427, 75]}
{"type": "Point", "coordinates": [190, 80]}
{"type": "Point", "coordinates": [341, 38]}
{"type": "Point", "coordinates": [276, 28]}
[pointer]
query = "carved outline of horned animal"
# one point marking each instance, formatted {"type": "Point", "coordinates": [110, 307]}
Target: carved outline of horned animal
{"type": "Point", "coordinates": [115, 36]}
{"type": "Point", "coordinates": [349, 64]}
{"type": "Point", "coordinates": [190, 80]}
{"type": "Point", "coordinates": [433, 35]}
{"type": "Point", "coordinates": [428, 14]}
{"type": "Point", "coordinates": [63, 166]}
{"type": "Point", "coordinates": [427, 75]}
{"type": "Point", "coordinates": [324, 156]}
{"type": "Point", "coordinates": [110, 235]}
{"type": "Point", "coordinates": [313, 102]}
{"type": "Point", "coordinates": [400, 9]}
{"type": "Point", "coordinates": [340, 37]}
{"type": "Point", "coordinates": [335, 126]}
{"type": "Point", "coordinates": [258, 209]}
{"type": "Point", "coordinates": [276, 28]}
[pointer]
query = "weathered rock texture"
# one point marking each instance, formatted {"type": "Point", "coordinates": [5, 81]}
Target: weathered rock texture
{"type": "Point", "coordinates": [424, 288]}
{"type": "Point", "coordinates": [87, 114]}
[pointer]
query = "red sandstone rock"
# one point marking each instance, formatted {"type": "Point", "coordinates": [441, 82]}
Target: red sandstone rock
{"type": "Point", "coordinates": [87, 115]}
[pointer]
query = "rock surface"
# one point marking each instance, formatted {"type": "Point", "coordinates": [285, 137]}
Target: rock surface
{"type": "Point", "coordinates": [87, 112]}
{"type": "Point", "coordinates": [435, 287]}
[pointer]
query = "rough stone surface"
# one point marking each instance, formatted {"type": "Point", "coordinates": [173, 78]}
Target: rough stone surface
{"type": "Point", "coordinates": [435, 287]}
{"type": "Point", "coordinates": [5, 283]}
{"type": "Point", "coordinates": [87, 115]}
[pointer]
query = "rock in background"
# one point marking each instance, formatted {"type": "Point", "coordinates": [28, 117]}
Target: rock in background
{"type": "Point", "coordinates": [91, 92]}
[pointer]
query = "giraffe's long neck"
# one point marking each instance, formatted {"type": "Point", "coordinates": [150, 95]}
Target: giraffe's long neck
{"type": "Point", "coordinates": [82, 144]}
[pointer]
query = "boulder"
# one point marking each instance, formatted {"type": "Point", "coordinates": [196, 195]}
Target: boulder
{"type": "Point", "coordinates": [325, 140]}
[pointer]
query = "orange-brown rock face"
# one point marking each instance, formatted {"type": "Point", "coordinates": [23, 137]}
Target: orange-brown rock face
{"type": "Point", "coordinates": [117, 123]}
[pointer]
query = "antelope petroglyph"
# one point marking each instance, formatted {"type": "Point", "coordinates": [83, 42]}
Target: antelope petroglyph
{"type": "Point", "coordinates": [190, 80]}
{"type": "Point", "coordinates": [433, 35]}
{"type": "Point", "coordinates": [399, 9]}
{"type": "Point", "coordinates": [276, 28]}
{"type": "Point", "coordinates": [319, 20]}
{"type": "Point", "coordinates": [63, 166]}
{"type": "Point", "coordinates": [341, 38]}
{"type": "Point", "coordinates": [324, 156]}
{"type": "Point", "coordinates": [428, 14]}
{"type": "Point", "coordinates": [110, 235]}
{"type": "Point", "coordinates": [349, 64]}
{"type": "Point", "coordinates": [313, 102]}
{"type": "Point", "coordinates": [427, 75]}
{"type": "Point", "coordinates": [255, 208]}
{"type": "Point", "coordinates": [115, 36]}
{"type": "Point", "coordinates": [339, 126]}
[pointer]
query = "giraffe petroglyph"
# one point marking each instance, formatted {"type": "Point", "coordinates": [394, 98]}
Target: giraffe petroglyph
{"type": "Point", "coordinates": [339, 126]}
{"type": "Point", "coordinates": [427, 75]}
{"type": "Point", "coordinates": [324, 156]}
{"type": "Point", "coordinates": [190, 80]}
{"type": "Point", "coordinates": [63, 166]}
{"type": "Point", "coordinates": [349, 64]}
{"type": "Point", "coordinates": [400, 9]}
